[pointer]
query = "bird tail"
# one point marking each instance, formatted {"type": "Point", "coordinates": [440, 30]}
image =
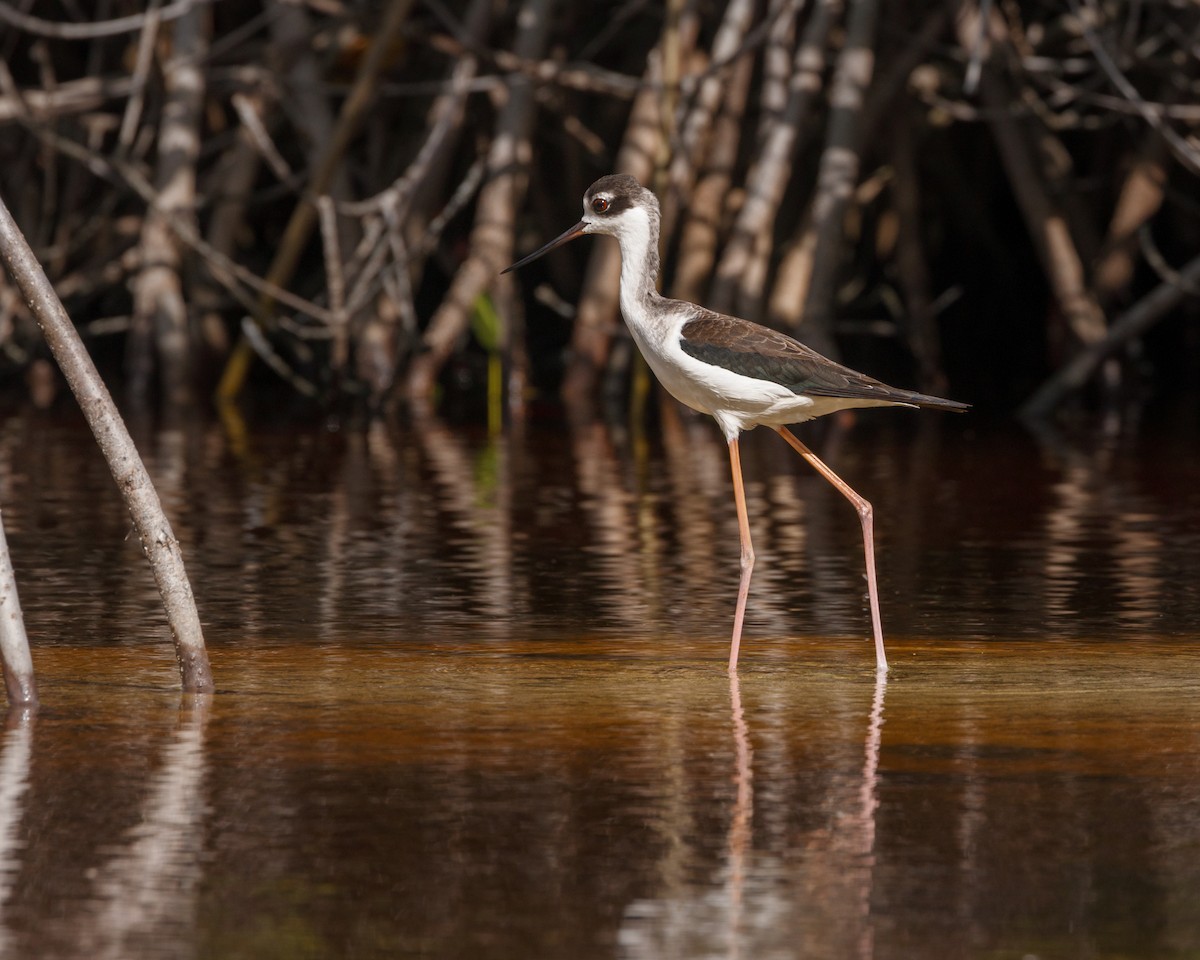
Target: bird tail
{"type": "Point", "coordinates": [932, 403]}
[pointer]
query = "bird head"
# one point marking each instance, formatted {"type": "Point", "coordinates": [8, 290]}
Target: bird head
{"type": "Point", "coordinates": [616, 205]}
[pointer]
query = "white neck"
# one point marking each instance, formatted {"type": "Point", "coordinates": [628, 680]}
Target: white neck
{"type": "Point", "coordinates": [638, 236]}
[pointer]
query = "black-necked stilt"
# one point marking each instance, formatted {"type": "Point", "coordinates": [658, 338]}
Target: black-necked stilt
{"type": "Point", "coordinates": [742, 374]}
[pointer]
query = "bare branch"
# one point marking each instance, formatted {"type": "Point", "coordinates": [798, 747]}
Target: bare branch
{"type": "Point", "coordinates": [154, 530]}
{"type": "Point", "coordinates": [742, 274]}
{"type": "Point", "coordinates": [492, 235]}
{"type": "Point", "coordinates": [1187, 154]}
{"type": "Point", "coordinates": [92, 31]}
{"type": "Point", "coordinates": [1133, 323]}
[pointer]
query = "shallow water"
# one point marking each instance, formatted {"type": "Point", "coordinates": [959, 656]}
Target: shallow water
{"type": "Point", "coordinates": [472, 699]}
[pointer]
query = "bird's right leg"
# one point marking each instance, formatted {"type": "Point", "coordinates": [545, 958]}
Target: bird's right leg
{"type": "Point", "coordinates": [866, 518]}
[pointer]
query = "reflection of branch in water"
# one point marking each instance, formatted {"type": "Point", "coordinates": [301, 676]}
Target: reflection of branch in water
{"type": "Point", "coordinates": [662, 542]}
{"type": "Point", "coordinates": [1094, 509]}
{"type": "Point", "coordinates": [146, 893]}
{"type": "Point", "coordinates": [14, 782]}
{"type": "Point", "coordinates": [706, 524]}
{"type": "Point", "coordinates": [608, 507]}
{"type": "Point", "coordinates": [479, 502]}
{"type": "Point", "coordinates": [743, 808]}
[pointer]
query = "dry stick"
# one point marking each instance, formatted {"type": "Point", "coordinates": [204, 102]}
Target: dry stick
{"type": "Point", "coordinates": [838, 172]}
{"type": "Point", "coordinates": [249, 108]}
{"type": "Point", "coordinates": [407, 210]}
{"type": "Point", "coordinates": [673, 47]}
{"type": "Point", "coordinates": [694, 128]}
{"type": "Point", "coordinates": [678, 45]}
{"type": "Point", "coordinates": [1140, 198]}
{"type": "Point", "coordinates": [585, 77]}
{"type": "Point", "coordinates": [153, 528]}
{"type": "Point", "coordinates": [431, 172]}
{"type": "Point", "coordinates": [395, 316]}
{"type": "Point", "coordinates": [370, 259]}
{"type": "Point", "coordinates": [131, 119]}
{"type": "Point", "coordinates": [894, 74]}
{"type": "Point", "coordinates": [230, 183]}
{"type": "Point", "coordinates": [1046, 223]}
{"type": "Point", "coordinates": [1061, 178]}
{"type": "Point", "coordinates": [160, 314]}
{"type": "Point", "coordinates": [92, 278]}
{"type": "Point", "coordinates": [774, 90]}
{"type": "Point", "coordinates": [444, 124]}
{"type": "Point", "coordinates": [14, 643]}
{"type": "Point", "coordinates": [69, 98]}
{"type": "Point", "coordinates": [411, 203]}
{"type": "Point", "coordinates": [742, 274]}
{"type": "Point", "coordinates": [325, 170]}
{"type": "Point", "coordinates": [78, 190]}
{"type": "Point", "coordinates": [777, 56]}
{"type": "Point", "coordinates": [701, 230]}
{"type": "Point", "coordinates": [752, 39]}
{"type": "Point", "coordinates": [1132, 323]}
{"type": "Point", "coordinates": [390, 209]}
{"type": "Point", "coordinates": [92, 31]}
{"type": "Point", "coordinates": [599, 308]}
{"type": "Point", "coordinates": [912, 269]}
{"type": "Point", "coordinates": [49, 162]}
{"type": "Point", "coordinates": [792, 278]}
{"type": "Point", "coordinates": [304, 99]}
{"type": "Point", "coordinates": [1158, 263]}
{"type": "Point", "coordinates": [222, 266]}
{"type": "Point", "coordinates": [335, 281]}
{"type": "Point", "coordinates": [392, 322]}
{"type": "Point", "coordinates": [491, 240]}
{"type": "Point", "coordinates": [1185, 152]}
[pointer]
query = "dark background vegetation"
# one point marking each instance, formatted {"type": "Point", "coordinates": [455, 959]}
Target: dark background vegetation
{"type": "Point", "coordinates": [993, 201]}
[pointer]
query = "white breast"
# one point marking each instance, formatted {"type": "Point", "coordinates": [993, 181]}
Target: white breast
{"type": "Point", "coordinates": [737, 402]}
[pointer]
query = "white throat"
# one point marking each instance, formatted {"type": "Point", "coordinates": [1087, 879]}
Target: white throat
{"type": "Point", "coordinates": [639, 262]}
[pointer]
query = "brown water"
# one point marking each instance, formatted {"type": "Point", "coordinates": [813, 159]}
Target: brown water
{"type": "Point", "coordinates": [473, 702]}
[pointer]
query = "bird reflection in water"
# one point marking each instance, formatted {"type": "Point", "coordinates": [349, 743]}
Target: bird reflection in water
{"type": "Point", "coordinates": [818, 893]}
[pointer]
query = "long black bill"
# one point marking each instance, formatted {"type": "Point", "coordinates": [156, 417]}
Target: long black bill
{"type": "Point", "coordinates": [575, 231]}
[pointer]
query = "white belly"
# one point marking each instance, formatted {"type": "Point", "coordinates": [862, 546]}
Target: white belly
{"type": "Point", "coordinates": [737, 402]}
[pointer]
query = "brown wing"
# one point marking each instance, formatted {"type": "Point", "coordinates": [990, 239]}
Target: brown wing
{"type": "Point", "coordinates": [753, 350]}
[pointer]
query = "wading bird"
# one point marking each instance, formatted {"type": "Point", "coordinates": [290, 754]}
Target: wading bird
{"type": "Point", "coordinates": [742, 374]}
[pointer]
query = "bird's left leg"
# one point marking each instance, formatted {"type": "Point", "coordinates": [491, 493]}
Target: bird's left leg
{"type": "Point", "coordinates": [747, 561]}
{"type": "Point", "coordinates": [866, 517]}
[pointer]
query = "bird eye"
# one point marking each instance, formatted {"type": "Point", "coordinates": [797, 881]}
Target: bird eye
{"type": "Point", "coordinates": [600, 204]}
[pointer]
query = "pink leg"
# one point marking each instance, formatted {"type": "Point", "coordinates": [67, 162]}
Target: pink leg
{"type": "Point", "coordinates": [865, 515]}
{"type": "Point", "coordinates": [739, 498]}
